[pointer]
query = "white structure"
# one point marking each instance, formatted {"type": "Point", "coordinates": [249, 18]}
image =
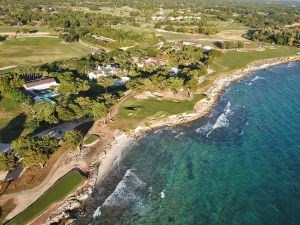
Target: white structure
{"type": "Point", "coordinates": [158, 18]}
{"type": "Point", "coordinates": [103, 71]}
{"type": "Point", "coordinates": [41, 84]}
{"type": "Point", "coordinates": [97, 74]}
{"type": "Point", "coordinates": [207, 48]}
{"type": "Point", "coordinates": [125, 79]}
{"type": "Point", "coordinates": [174, 71]}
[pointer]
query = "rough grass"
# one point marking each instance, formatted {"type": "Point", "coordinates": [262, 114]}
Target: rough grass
{"type": "Point", "coordinates": [33, 51]}
{"type": "Point", "coordinates": [90, 139]}
{"type": "Point", "coordinates": [15, 28]}
{"type": "Point", "coordinates": [134, 111]}
{"type": "Point", "coordinates": [56, 193]}
{"type": "Point", "coordinates": [6, 208]}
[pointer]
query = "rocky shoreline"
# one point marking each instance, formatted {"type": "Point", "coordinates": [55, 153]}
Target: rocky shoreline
{"type": "Point", "coordinates": [104, 163]}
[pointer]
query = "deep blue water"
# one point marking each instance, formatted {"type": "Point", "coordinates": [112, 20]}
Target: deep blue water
{"type": "Point", "coordinates": [240, 165]}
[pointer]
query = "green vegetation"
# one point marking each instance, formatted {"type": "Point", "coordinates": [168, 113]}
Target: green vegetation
{"type": "Point", "coordinates": [19, 28]}
{"type": "Point", "coordinates": [12, 119]}
{"type": "Point", "coordinates": [73, 139]}
{"type": "Point", "coordinates": [283, 36]}
{"type": "Point", "coordinates": [34, 151]}
{"type": "Point", "coordinates": [134, 111]}
{"type": "Point", "coordinates": [33, 51]}
{"type": "Point", "coordinates": [90, 139]}
{"type": "Point", "coordinates": [7, 161]}
{"type": "Point", "coordinates": [56, 193]}
{"type": "Point", "coordinates": [5, 209]}
{"type": "Point", "coordinates": [239, 59]}
{"type": "Point", "coordinates": [229, 44]}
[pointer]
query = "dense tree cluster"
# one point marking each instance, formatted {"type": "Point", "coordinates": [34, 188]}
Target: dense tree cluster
{"type": "Point", "coordinates": [34, 151]}
{"type": "Point", "coordinates": [10, 84]}
{"type": "Point", "coordinates": [229, 44]}
{"type": "Point", "coordinates": [284, 36]}
{"type": "Point", "coordinates": [8, 161]}
{"type": "Point", "coordinates": [73, 138]}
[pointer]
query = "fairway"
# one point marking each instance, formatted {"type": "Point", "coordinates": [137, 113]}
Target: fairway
{"type": "Point", "coordinates": [237, 59]}
{"type": "Point", "coordinates": [56, 193]}
{"type": "Point", "coordinates": [33, 51]}
{"type": "Point", "coordinates": [135, 111]}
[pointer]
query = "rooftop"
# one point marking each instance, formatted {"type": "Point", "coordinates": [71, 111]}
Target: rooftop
{"type": "Point", "coordinates": [39, 82]}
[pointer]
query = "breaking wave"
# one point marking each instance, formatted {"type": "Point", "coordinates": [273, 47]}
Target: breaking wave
{"type": "Point", "coordinates": [222, 121]}
{"type": "Point", "coordinates": [125, 192]}
{"type": "Point", "coordinates": [257, 78]}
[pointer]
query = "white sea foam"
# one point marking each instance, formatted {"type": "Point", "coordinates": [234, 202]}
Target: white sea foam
{"type": "Point", "coordinates": [124, 192]}
{"type": "Point", "coordinates": [162, 194]}
{"type": "Point", "coordinates": [178, 135]}
{"type": "Point", "coordinates": [291, 64]}
{"type": "Point", "coordinates": [158, 131]}
{"type": "Point", "coordinates": [222, 120]}
{"type": "Point", "coordinates": [204, 129]}
{"type": "Point", "coordinates": [97, 212]}
{"type": "Point", "coordinates": [257, 78]}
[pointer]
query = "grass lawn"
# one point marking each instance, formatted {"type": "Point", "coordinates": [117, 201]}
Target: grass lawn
{"type": "Point", "coordinates": [122, 11]}
{"type": "Point", "coordinates": [12, 120]}
{"type": "Point", "coordinates": [33, 51]}
{"type": "Point", "coordinates": [237, 59]}
{"type": "Point", "coordinates": [228, 25]}
{"type": "Point", "coordinates": [15, 28]}
{"type": "Point", "coordinates": [90, 139]}
{"type": "Point", "coordinates": [135, 111]}
{"type": "Point", "coordinates": [56, 193]}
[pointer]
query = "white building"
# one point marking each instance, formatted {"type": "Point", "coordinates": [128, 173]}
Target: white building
{"type": "Point", "coordinates": [207, 48]}
{"type": "Point", "coordinates": [103, 71]}
{"type": "Point", "coordinates": [41, 84]}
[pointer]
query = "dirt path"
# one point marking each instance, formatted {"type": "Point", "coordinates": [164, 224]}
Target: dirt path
{"type": "Point", "coordinates": [7, 67]}
{"type": "Point", "coordinates": [27, 197]}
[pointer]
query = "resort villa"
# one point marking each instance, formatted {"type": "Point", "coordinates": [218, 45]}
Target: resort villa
{"type": "Point", "coordinates": [40, 84]}
{"type": "Point", "coordinates": [103, 71]}
{"type": "Point", "coordinates": [40, 89]}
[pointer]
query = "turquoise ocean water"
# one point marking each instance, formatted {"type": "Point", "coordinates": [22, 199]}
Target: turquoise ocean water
{"type": "Point", "coordinates": [240, 165]}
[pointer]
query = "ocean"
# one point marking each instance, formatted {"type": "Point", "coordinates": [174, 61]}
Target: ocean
{"type": "Point", "coordinates": [239, 165]}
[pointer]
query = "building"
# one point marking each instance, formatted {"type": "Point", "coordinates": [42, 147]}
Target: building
{"type": "Point", "coordinates": [41, 84]}
{"type": "Point", "coordinates": [104, 71]}
{"type": "Point", "coordinates": [174, 71]}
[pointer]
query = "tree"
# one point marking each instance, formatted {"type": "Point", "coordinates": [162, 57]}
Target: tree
{"type": "Point", "coordinates": [73, 138]}
{"type": "Point", "coordinates": [8, 161]}
{"type": "Point", "coordinates": [34, 151]}
{"type": "Point", "coordinates": [33, 158]}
